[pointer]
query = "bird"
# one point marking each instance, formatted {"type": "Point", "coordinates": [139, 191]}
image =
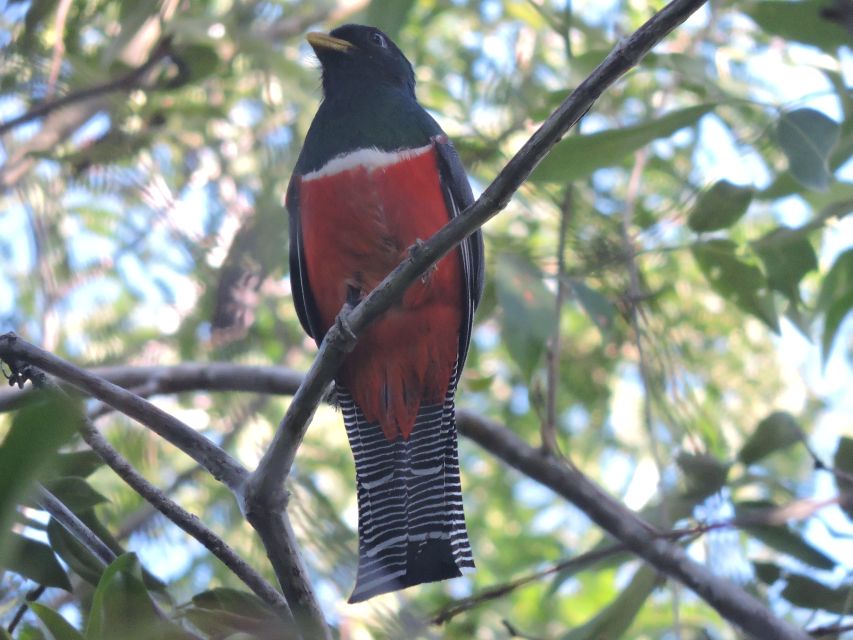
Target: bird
{"type": "Point", "coordinates": [375, 177]}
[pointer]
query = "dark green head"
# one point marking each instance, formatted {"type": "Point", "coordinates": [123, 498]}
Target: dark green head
{"type": "Point", "coordinates": [358, 59]}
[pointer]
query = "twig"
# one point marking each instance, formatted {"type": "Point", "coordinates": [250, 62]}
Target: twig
{"type": "Point", "coordinates": [549, 426]}
{"type": "Point", "coordinates": [832, 630]}
{"type": "Point", "coordinates": [75, 526]}
{"type": "Point", "coordinates": [122, 83]}
{"type": "Point", "coordinates": [31, 596]}
{"type": "Point", "coordinates": [221, 465]}
{"type": "Point", "coordinates": [453, 609]}
{"type": "Point", "coordinates": [58, 46]}
{"type": "Point", "coordinates": [185, 521]}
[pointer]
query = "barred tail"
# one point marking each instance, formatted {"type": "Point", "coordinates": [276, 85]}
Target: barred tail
{"type": "Point", "coordinates": [411, 527]}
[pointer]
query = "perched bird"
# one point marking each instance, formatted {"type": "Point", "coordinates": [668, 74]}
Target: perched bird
{"type": "Point", "coordinates": [376, 175]}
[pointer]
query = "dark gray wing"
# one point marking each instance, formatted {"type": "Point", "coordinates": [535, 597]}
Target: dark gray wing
{"type": "Point", "coordinates": [458, 196]}
{"type": "Point", "coordinates": [303, 299]}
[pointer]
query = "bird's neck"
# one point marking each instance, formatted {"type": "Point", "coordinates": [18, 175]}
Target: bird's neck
{"type": "Point", "coordinates": [382, 118]}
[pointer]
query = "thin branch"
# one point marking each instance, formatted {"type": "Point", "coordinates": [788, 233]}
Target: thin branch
{"type": "Point", "coordinates": [185, 520]}
{"type": "Point", "coordinates": [221, 465]}
{"type": "Point", "coordinates": [58, 46]}
{"type": "Point", "coordinates": [123, 83]}
{"type": "Point", "coordinates": [453, 609]}
{"type": "Point", "coordinates": [549, 426]}
{"type": "Point", "coordinates": [31, 596]}
{"type": "Point", "coordinates": [75, 526]}
{"type": "Point", "coordinates": [273, 526]}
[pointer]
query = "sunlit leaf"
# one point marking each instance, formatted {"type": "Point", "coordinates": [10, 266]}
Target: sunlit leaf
{"type": "Point", "coordinates": [37, 431]}
{"type": "Point", "coordinates": [704, 474]}
{"type": "Point", "coordinates": [784, 539]}
{"type": "Point", "coordinates": [777, 431]}
{"type": "Point", "coordinates": [787, 259]}
{"type": "Point", "coordinates": [807, 592]}
{"type": "Point", "coordinates": [807, 137]}
{"type": "Point", "coordinates": [618, 616]}
{"type": "Point", "coordinates": [389, 15]}
{"type": "Point", "coordinates": [720, 207]}
{"type": "Point", "coordinates": [802, 21]}
{"type": "Point", "coordinates": [736, 280]}
{"type": "Point", "coordinates": [767, 572]}
{"type": "Point", "coordinates": [836, 299]}
{"type": "Point", "coordinates": [578, 156]}
{"type": "Point", "coordinates": [599, 309]}
{"type": "Point", "coordinates": [527, 309]}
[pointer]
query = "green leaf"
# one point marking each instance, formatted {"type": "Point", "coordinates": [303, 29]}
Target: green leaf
{"type": "Point", "coordinates": [807, 137]}
{"type": "Point", "coordinates": [782, 538]}
{"type": "Point", "coordinates": [578, 156]}
{"type": "Point", "coordinates": [36, 561]}
{"type": "Point", "coordinates": [808, 593]}
{"type": "Point", "coordinates": [527, 311]}
{"type": "Point", "coordinates": [777, 431]}
{"type": "Point", "coordinates": [389, 15]}
{"type": "Point", "coordinates": [843, 461]}
{"type": "Point", "coordinates": [617, 618]}
{"type": "Point", "coordinates": [58, 627]}
{"type": "Point", "coordinates": [735, 280]}
{"type": "Point", "coordinates": [77, 494]}
{"type": "Point", "coordinates": [73, 553]}
{"type": "Point", "coordinates": [767, 572]}
{"type": "Point", "coordinates": [202, 60]}
{"type": "Point", "coordinates": [38, 429]}
{"type": "Point", "coordinates": [787, 256]}
{"type": "Point", "coordinates": [78, 463]}
{"type": "Point", "coordinates": [123, 608]}
{"type": "Point", "coordinates": [704, 474]}
{"type": "Point", "coordinates": [720, 207]}
{"type": "Point", "coordinates": [800, 21]}
{"type": "Point", "coordinates": [223, 611]}
{"type": "Point", "coordinates": [599, 309]}
{"type": "Point", "coordinates": [836, 299]}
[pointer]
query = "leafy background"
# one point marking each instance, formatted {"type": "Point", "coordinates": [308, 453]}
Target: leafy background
{"type": "Point", "coordinates": [703, 359]}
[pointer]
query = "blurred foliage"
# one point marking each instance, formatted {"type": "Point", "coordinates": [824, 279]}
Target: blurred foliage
{"type": "Point", "coordinates": [708, 193]}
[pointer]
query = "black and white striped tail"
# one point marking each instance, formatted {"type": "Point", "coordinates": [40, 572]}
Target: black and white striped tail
{"type": "Point", "coordinates": [411, 528]}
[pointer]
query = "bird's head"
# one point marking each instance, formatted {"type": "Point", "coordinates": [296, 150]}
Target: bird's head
{"type": "Point", "coordinates": [358, 59]}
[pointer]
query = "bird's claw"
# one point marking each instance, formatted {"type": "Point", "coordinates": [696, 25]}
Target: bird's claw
{"type": "Point", "coordinates": [344, 327]}
{"type": "Point", "coordinates": [413, 252]}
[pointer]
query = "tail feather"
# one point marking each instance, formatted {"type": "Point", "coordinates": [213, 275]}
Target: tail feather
{"type": "Point", "coordinates": [411, 527]}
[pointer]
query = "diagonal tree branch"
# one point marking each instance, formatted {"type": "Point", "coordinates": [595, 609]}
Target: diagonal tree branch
{"type": "Point", "coordinates": [221, 465]}
{"type": "Point", "coordinates": [276, 531]}
{"type": "Point", "coordinates": [185, 521]}
{"type": "Point", "coordinates": [123, 83]}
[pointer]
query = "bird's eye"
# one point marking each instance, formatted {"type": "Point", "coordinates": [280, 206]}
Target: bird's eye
{"type": "Point", "coordinates": [378, 39]}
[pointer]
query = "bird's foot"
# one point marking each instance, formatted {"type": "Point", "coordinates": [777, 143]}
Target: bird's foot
{"type": "Point", "coordinates": [426, 276]}
{"type": "Point", "coordinates": [344, 328]}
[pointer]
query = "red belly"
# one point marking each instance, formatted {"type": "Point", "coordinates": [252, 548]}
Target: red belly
{"type": "Point", "coordinates": [357, 225]}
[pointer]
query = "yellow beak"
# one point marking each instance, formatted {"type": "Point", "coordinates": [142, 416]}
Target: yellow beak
{"type": "Point", "coordinates": [325, 41]}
